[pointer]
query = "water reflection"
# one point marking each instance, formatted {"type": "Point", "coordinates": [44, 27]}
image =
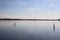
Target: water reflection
{"type": "Point", "coordinates": [14, 24]}
{"type": "Point", "coordinates": [29, 30]}
{"type": "Point", "coordinates": [53, 27]}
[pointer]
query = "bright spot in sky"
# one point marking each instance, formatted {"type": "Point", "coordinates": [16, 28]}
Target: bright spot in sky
{"type": "Point", "coordinates": [52, 4]}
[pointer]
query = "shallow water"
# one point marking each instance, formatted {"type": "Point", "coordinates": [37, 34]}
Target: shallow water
{"type": "Point", "coordinates": [29, 30]}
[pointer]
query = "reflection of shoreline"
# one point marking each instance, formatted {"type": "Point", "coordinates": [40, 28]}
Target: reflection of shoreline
{"type": "Point", "coordinates": [33, 19]}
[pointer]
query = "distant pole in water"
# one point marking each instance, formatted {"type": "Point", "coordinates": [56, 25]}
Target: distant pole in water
{"type": "Point", "coordinates": [54, 27]}
{"type": "Point", "coordinates": [14, 24]}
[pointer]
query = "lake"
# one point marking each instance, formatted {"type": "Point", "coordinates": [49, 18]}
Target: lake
{"type": "Point", "coordinates": [29, 30]}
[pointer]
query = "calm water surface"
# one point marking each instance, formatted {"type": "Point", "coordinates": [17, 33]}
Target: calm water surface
{"type": "Point", "coordinates": [29, 30]}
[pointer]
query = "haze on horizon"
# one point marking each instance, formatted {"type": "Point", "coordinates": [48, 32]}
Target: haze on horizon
{"type": "Point", "coordinates": [30, 9]}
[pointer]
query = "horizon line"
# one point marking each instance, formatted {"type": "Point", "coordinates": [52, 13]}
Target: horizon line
{"type": "Point", "coordinates": [31, 19]}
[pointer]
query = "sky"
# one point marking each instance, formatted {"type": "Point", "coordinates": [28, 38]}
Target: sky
{"type": "Point", "coordinates": [30, 9]}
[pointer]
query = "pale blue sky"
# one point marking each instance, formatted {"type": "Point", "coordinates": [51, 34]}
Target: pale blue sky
{"type": "Point", "coordinates": [30, 8]}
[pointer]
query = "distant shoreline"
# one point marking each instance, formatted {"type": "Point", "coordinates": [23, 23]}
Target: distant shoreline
{"type": "Point", "coordinates": [33, 19]}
